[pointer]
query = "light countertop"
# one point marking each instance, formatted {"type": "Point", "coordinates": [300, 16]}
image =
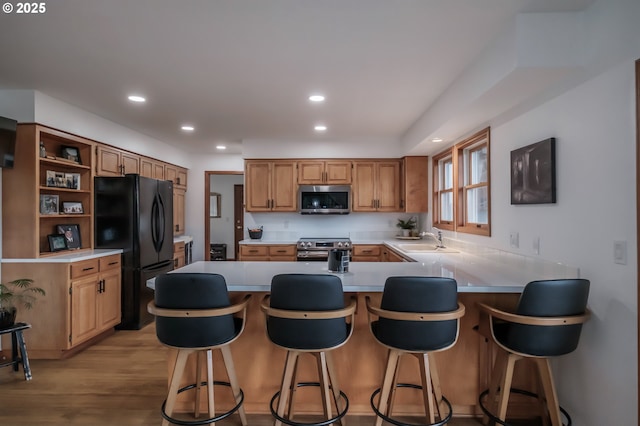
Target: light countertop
{"type": "Point", "coordinates": [68, 256]}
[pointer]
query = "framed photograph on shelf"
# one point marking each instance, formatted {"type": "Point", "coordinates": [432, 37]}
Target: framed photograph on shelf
{"type": "Point", "coordinates": [72, 207]}
{"type": "Point", "coordinates": [72, 180]}
{"type": "Point", "coordinates": [49, 204]}
{"type": "Point", "coordinates": [71, 235]}
{"type": "Point", "coordinates": [71, 153]}
{"type": "Point", "coordinates": [57, 242]}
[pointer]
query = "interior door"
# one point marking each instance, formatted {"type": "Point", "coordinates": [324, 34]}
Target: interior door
{"type": "Point", "coordinates": [238, 219]}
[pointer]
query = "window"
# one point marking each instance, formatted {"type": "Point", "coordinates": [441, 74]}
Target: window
{"type": "Point", "coordinates": [443, 196]}
{"type": "Point", "coordinates": [461, 186]}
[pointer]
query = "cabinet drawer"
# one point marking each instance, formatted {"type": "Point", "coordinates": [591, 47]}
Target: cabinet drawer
{"type": "Point", "coordinates": [253, 250]}
{"type": "Point", "coordinates": [282, 250]}
{"type": "Point", "coordinates": [84, 268]}
{"type": "Point", "coordinates": [367, 250]}
{"type": "Point", "coordinates": [178, 247]}
{"type": "Point", "coordinates": [110, 262]}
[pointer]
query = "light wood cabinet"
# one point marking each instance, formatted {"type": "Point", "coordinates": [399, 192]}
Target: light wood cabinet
{"type": "Point", "coordinates": [324, 172]}
{"type": "Point", "coordinates": [82, 302]}
{"type": "Point", "coordinates": [95, 297]}
{"type": "Point", "coordinates": [36, 188]}
{"type": "Point", "coordinates": [415, 184]}
{"type": "Point", "coordinates": [178, 255]}
{"type": "Point", "coordinates": [376, 186]}
{"type": "Point", "coordinates": [367, 253]}
{"type": "Point", "coordinates": [389, 255]}
{"type": "Point", "coordinates": [111, 161]}
{"type": "Point", "coordinates": [152, 168]}
{"type": "Point", "coordinates": [274, 252]}
{"type": "Point", "coordinates": [270, 186]}
{"type": "Point", "coordinates": [178, 211]}
{"type": "Point", "coordinates": [176, 174]}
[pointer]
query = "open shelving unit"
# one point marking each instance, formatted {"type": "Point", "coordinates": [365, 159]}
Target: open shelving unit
{"type": "Point", "coordinates": [25, 226]}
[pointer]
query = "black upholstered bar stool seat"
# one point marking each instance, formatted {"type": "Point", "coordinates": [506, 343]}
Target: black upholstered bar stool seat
{"type": "Point", "coordinates": [194, 315]}
{"type": "Point", "coordinates": [547, 323]}
{"type": "Point", "coordinates": [417, 316]}
{"type": "Point", "coordinates": [306, 314]}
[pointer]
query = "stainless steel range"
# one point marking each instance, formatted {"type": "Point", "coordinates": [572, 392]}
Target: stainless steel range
{"type": "Point", "coordinates": [317, 249]}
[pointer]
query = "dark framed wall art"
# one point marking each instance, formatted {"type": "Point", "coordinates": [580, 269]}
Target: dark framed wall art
{"type": "Point", "coordinates": [533, 173]}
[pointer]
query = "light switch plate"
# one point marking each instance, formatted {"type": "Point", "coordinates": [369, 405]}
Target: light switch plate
{"type": "Point", "coordinates": [620, 252]}
{"type": "Point", "coordinates": [536, 245]}
{"type": "Point", "coordinates": [514, 239]}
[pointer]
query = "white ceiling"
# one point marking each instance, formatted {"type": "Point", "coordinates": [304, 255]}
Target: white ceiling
{"type": "Point", "coordinates": [243, 69]}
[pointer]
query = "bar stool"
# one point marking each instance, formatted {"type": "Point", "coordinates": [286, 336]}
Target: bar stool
{"type": "Point", "coordinates": [194, 315]}
{"type": "Point", "coordinates": [305, 314]}
{"type": "Point", "coordinates": [547, 323]}
{"type": "Point", "coordinates": [18, 345]}
{"type": "Point", "coordinates": [417, 316]}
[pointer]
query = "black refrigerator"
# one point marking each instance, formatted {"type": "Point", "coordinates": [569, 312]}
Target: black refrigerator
{"type": "Point", "coordinates": [135, 213]}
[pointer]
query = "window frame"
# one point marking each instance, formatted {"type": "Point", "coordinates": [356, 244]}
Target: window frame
{"type": "Point", "coordinates": [437, 191]}
{"type": "Point", "coordinates": [461, 154]}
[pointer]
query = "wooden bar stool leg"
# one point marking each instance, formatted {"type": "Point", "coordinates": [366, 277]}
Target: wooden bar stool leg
{"type": "Point", "coordinates": [394, 386]}
{"type": "Point", "coordinates": [335, 387]}
{"type": "Point", "coordinates": [497, 378]}
{"type": "Point", "coordinates": [210, 386]}
{"type": "Point", "coordinates": [505, 388]}
{"type": "Point", "coordinates": [546, 376]}
{"type": "Point", "coordinates": [293, 390]}
{"type": "Point", "coordinates": [196, 408]}
{"type": "Point", "coordinates": [435, 381]}
{"type": "Point", "coordinates": [292, 357]}
{"type": "Point", "coordinates": [176, 378]}
{"type": "Point", "coordinates": [23, 354]}
{"type": "Point", "coordinates": [233, 380]}
{"type": "Point", "coordinates": [390, 372]}
{"type": "Point", "coordinates": [427, 389]}
{"type": "Point", "coordinates": [324, 384]}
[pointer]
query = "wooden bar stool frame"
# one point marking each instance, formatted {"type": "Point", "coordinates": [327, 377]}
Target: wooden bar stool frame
{"type": "Point", "coordinates": [502, 376]}
{"type": "Point", "coordinates": [18, 348]}
{"type": "Point", "coordinates": [428, 368]}
{"type": "Point", "coordinates": [331, 393]}
{"type": "Point", "coordinates": [181, 362]}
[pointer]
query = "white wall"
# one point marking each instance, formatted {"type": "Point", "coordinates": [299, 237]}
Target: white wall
{"type": "Point", "coordinates": [594, 127]}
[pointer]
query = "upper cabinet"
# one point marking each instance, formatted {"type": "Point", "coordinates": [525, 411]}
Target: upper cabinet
{"type": "Point", "coordinates": [270, 186]}
{"type": "Point", "coordinates": [39, 194]}
{"type": "Point", "coordinates": [176, 174]}
{"type": "Point", "coordinates": [324, 172]}
{"type": "Point", "coordinates": [376, 186]}
{"type": "Point", "coordinates": [415, 184]}
{"type": "Point", "coordinates": [152, 168]}
{"type": "Point", "coordinates": [115, 162]}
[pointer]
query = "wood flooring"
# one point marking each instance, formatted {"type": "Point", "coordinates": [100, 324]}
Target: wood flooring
{"type": "Point", "coordinates": [120, 381]}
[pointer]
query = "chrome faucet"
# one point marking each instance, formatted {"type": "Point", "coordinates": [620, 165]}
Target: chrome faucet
{"type": "Point", "coordinates": [437, 237]}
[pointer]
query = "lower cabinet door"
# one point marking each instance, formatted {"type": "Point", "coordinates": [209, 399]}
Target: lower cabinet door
{"type": "Point", "coordinates": [109, 300]}
{"type": "Point", "coordinates": [84, 299]}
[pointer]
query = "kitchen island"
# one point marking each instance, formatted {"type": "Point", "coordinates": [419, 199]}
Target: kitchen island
{"type": "Point", "coordinates": [464, 369]}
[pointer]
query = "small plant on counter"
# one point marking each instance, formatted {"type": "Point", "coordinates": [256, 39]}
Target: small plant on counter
{"type": "Point", "coordinates": [406, 224]}
{"type": "Point", "coordinates": [16, 293]}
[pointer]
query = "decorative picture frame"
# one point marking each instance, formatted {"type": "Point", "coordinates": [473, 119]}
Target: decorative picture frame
{"type": "Point", "coordinates": [49, 204]}
{"type": "Point", "coordinates": [72, 207]}
{"type": "Point", "coordinates": [57, 242]}
{"type": "Point", "coordinates": [71, 234]}
{"type": "Point", "coordinates": [72, 180]}
{"type": "Point", "coordinates": [533, 173]}
{"type": "Point", "coordinates": [70, 153]}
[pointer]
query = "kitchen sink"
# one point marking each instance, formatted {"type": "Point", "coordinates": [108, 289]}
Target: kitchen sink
{"type": "Point", "coordinates": [425, 248]}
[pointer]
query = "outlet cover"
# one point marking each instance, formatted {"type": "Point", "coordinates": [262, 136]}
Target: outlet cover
{"type": "Point", "coordinates": [514, 239]}
{"type": "Point", "coordinates": [620, 252]}
{"type": "Point", "coordinates": [536, 245]}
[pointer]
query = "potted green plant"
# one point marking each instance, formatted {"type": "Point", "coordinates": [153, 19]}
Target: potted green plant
{"type": "Point", "coordinates": [406, 225]}
{"type": "Point", "coordinates": [14, 294]}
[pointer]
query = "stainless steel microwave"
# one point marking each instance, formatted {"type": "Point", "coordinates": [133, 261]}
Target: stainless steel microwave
{"type": "Point", "coordinates": [324, 199]}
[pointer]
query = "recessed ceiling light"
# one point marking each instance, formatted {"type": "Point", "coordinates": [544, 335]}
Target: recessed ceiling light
{"type": "Point", "coordinates": [320, 128]}
{"type": "Point", "coordinates": [136, 98]}
{"type": "Point", "coordinates": [316, 98]}
{"type": "Point", "coordinates": [436, 140]}
{"type": "Point", "coordinates": [221, 147]}
{"type": "Point", "coordinates": [188, 128]}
